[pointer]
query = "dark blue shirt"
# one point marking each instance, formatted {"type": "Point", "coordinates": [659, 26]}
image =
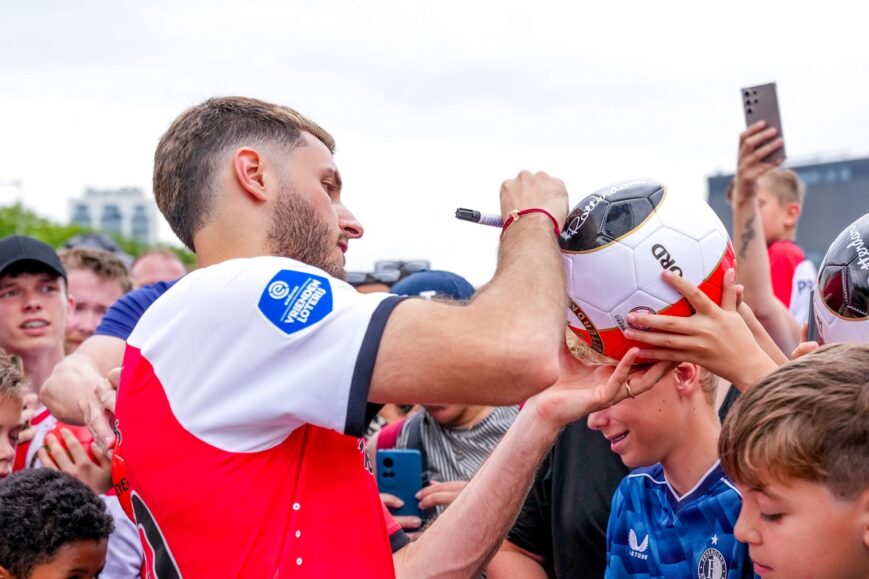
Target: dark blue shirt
{"type": "Point", "coordinates": [124, 314]}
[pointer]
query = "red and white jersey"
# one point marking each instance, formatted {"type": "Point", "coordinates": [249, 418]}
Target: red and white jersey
{"type": "Point", "coordinates": [25, 453]}
{"type": "Point", "coordinates": [242, 400]}
{"type": "Point", "coordinates": [793, 277]}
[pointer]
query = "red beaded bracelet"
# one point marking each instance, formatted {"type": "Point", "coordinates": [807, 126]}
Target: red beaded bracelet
{"type": "Point", "coordinates": [515, 214]}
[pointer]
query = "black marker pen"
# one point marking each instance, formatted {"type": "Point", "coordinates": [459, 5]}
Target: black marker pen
{"type": "Point", "coordinates": [476, 217]}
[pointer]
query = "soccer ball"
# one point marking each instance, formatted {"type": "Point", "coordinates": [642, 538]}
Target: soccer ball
{"type": "Point", "coordinates": [841, 301]}
{"type": "Point", "coordinates": [615, 244]}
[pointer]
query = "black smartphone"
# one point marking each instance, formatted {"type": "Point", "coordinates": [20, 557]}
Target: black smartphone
{"type": "Point", "coordinates": [760, 103]}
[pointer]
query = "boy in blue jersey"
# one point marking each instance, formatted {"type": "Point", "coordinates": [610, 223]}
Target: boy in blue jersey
{"type": "Point", "coordinates": [675, 518]}
{"type": "Point", "coordinates": [797, 447]}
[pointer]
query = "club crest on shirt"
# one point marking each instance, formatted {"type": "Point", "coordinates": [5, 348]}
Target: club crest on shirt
{"type": "Point", "coordinates": [294, 300]}
{"type": "Point", "coordinates": [712, 565]}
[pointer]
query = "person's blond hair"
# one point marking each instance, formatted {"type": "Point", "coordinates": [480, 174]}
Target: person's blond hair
{"type": "Point", "coordinates": [13, 384]}
{"type": "Point", "coordinates": [808, 420]}
{"type": "Point", "coordinates": [786, 185]}
{"type": "Point", "coordinates": [102, 264]}
{"type": "Point", "coordinates": [188, 156]}
{"type": "Point", "coordinates": [587, 355]}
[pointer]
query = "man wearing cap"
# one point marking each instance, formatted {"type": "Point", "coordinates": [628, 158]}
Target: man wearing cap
{"type": "Point", "coordinates": [34, 306]}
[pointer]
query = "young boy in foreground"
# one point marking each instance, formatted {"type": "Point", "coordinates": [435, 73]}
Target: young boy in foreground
{"type": "Point", "coordinates": [51, 525]}
{"type": "Point", "coordinates": [797, 448]}
{"type": "Point", "coordinates": [674, 518]}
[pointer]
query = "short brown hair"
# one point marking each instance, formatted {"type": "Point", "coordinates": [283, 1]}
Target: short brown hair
{"type": "Point", "coordinates": [187, 157]}
{"type": "Point", "coordinates": [808, 420]}
{"type": "Point", "coordinates": [101, 263]}
{"type": "Point", "coordinates": [13, 384]}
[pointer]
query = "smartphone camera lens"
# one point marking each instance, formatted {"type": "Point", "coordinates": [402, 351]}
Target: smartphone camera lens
{"type": "Point", "coordinates": [748, 111]}
{"type": "Point", "coordinates": [387, 462]}
{"type": "Point", "coordinates": [747, 94]}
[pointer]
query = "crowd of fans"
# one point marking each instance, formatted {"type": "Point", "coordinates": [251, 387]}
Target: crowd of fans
{"type": "Point", "coordinates": [241, 435]}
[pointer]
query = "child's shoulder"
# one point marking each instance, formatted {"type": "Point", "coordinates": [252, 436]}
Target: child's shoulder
{"type": "Point", "coordinates": [786, 249]}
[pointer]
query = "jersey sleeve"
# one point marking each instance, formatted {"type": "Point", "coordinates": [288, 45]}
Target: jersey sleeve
{"type": "Point", "coordinates": [124, 314]}
{"type": "Point", "coordinates": [614, 566]}
{"type": "Point", "coordinates": [784, 257]}
{"type": "Point", "coordinates": [249, 350]}
{"type": "Point", "coordinates": [532, 530]}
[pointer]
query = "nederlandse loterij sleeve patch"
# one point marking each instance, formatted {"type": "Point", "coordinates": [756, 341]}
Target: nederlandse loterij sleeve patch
{"type": "Point", "coordinates": [294, 300]}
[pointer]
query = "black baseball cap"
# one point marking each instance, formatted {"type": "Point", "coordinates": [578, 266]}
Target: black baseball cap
{"type": "Point", "coordinates": [17, 248]}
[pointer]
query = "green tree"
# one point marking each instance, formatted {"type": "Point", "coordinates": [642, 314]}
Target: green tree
{"type": "Point", "coordinates": [17, 219]}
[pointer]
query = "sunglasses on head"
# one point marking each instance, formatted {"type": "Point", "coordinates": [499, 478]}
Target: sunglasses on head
{"type": "Point", "coordinates": [387, 277]}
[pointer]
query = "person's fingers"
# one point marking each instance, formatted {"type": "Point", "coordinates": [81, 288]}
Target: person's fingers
{"type": "Point", "coordinates": [765, 151]}
{"type": "Point", "coordinates": [391, 501]}
{"type": "Point", "coordinates": [115, 378]}
{"type": "Point", "coordinates": [438, 498]}
{"type": "Point", "coordinates": [752, 129]}
{"type": "Point", "coordinates": [74, 447]}
{"type": "Point", "coordinates": [662, 354]}
{"type": "Point", "coordinates": [107, 394]}
{"type": "Point", "coordinates": [804, 333]}
{"type": "Point", "coordinates": [644, 380]}
{"type": "Point", "coordinates": [695, 296]}
{"type": "Point", "coordinates": [661, 323]}
{"type": "Point", "coordinates": [728, 291]}
{"type": "Point", "coordinates": [46, 459]}
{"type": "Point", "coordinates": [760, 137]}
{"type": "Point", "coordinates": [57, 452]}
{"type": "Point", "coordinates": [804, 348]}
{"type": "Point", "coordinates": [98, 424]}
{"type": "Point", "coordinates": [406, 522]}
{"type": "Point", "coordinates": [662, 340]}
{"type": "Point", "coordinates": [104, 461]}
{"type": "Point", "coordinates": [437, 486]}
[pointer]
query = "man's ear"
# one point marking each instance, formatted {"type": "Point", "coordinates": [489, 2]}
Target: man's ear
{"type": "Point", "coordinates": [687, 378]}
{"type": "Point", "coordinates": [863, 509]}
{"type": "Point", "coordinates": [793, 210]}
{"type": "Point", "coordinates": [248, 166]}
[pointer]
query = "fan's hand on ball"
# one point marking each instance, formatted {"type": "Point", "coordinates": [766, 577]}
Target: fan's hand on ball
{"type": "Point", "coordinates": [716, 338]}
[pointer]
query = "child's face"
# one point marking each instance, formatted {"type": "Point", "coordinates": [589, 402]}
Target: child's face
{"type": "Point", "coordinates": [773, 214]}
{"type": "Point", "coordinates": [801, 531]}
{"type": "Point", "coordinates": [79, 560]}
{"type": "Point", "coordinates": [10, 427]}
{"type": "Point", "coordinates": [641, 430]}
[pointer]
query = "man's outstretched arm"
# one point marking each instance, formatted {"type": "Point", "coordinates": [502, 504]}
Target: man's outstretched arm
{"type": "Point", "coordinates": [469, 532]}
{"type": "Point", "coordinates": [501, 348]}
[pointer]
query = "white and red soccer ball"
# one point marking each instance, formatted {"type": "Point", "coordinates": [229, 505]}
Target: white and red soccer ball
{"type": "Point", "coordinates": [616, 243]}
{"type": "Point", "coordinates": [840, 304]}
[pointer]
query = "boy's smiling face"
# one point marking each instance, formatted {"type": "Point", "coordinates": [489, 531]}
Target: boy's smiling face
{"type": "Point", "coordinates": [800, 530]}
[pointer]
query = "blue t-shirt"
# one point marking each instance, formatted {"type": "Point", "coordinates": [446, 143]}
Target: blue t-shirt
{"type": "Point", "coordinates": [124, 314]}
{"type": "Point", "coordinates": [654, 533]}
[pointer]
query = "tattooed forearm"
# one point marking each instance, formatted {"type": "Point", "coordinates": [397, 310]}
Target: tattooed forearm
{"type": "Point", "coordinates": [748, 234]}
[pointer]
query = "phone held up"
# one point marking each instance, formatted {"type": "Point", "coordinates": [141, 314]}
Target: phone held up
{"type": "Point", "coordinates": [760, 103]}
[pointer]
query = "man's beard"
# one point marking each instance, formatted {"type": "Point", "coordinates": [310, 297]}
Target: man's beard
{"type": "Point", "coordinates": [296, 231]}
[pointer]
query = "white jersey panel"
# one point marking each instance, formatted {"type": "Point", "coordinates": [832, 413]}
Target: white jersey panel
{"type": "Point", "coordinates": [246, 350]}
{"type": "Point", "coordinates": [801, 292]}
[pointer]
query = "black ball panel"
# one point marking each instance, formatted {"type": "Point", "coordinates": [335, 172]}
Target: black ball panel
{"type": "Point", "coordinates": [609, 214]}
{"type": "Point", "coordinates": [843, 278]}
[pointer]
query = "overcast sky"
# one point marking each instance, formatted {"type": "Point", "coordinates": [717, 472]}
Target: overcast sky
{"type": "Point", "coordinates": [432, 104]}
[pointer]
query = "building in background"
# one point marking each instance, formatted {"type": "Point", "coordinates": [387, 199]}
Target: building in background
{"type": "Point", "coordinates": [837, 193]}
{"type": "Point", "coordinates": [126, 211]}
